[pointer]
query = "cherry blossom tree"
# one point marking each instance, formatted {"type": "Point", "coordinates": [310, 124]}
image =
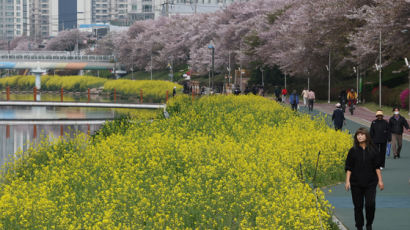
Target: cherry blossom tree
{"type": "Point", "coordinates": [295, 35]}
{"type": "Point", "coordinates": [67, 40]}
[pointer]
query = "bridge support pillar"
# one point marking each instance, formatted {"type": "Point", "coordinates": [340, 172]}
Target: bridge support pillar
{"type": "Point", "coordinates": [38, 81]}
{"type": "Point", "coordinates": [38, 72]}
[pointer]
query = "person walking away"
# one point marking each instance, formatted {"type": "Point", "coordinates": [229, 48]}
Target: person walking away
{"type": "Point", "coordinates": [396, 124]}
{"type": "Point", "coordinates": [311, 99]}
{"type": "Point", "coordinates": [174, 91]}
{"type": "Point", "coordinates": [338, 117]}
{"type": "Point", "coordinates": [351, 97]}
{"type": "Point", "coordinates": [284, 93]}
{"type": "Point", "coordinates": [277, 93]}
{"type": "Point", "coordinates": [305, 96]}
{"type": "Point", "coordinates": [294, 100]}
{"type": "Point", "coordinates": [380, 134]}
{"type": "Point", "coordinates": [363, 174]}
{"type": "Point", "coordinates": [343, 99]}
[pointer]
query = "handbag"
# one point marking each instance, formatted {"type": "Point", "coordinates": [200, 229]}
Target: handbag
{"type": "Point", "coordinates": [388, 149]}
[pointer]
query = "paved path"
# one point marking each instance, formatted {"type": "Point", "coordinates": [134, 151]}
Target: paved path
{"type": "Point", "coordinates": [361, 115]}
{"type": "Point", "coordinates": [393, 203]}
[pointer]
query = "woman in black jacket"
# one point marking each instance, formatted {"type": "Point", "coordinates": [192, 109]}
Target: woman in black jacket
{"type": "Point", "coordinates": [362, 176]}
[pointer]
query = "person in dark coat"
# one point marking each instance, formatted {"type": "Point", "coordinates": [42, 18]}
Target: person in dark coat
{"type": "Point", "coordinates": [174, 91]}
{"type": "Point", "coordinates": [380, 134]}
{"type": "Point", "coordinates": [277, 93]}
{"type": "Point", "coordinates": [363, 174]}
{"type": "Point", "coordinates": [294, 100]}
{"type": "Point", "coordinates": [396, 124]}
{"type": "Point", "coordinates": [338, 117]}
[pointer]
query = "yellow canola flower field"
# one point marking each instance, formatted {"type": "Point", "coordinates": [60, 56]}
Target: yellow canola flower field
{"type": "Point", "coordinates": [223, 162]}
{"type": "Point", "coordinates": [154, 90]}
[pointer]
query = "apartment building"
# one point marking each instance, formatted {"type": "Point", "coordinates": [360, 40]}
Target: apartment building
{"type": "Point", "coordinates": [44, 17]}
{"type": "Point", "coordinates": [36, 18]}
{"type": "Point", "coordinates": [14, 15]}
{"type": "Point", "coordinates": [127, 11]}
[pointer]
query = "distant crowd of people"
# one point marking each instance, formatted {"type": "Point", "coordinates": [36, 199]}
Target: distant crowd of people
{"type": "Point", "coordinates": [307, 95]}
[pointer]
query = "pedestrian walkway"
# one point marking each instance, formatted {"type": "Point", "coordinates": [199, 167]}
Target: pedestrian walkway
{"type": "Point", "coordinates": [393, 203]}
{"type": "Point", "coordinates": [362, 116]}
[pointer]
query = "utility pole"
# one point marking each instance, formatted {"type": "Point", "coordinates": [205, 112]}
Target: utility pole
{"type": "Point", "coordinates": [328, 96]}
{"type": "Point", "coordinates": [380, 69]}
{"type": "Point", "coordinates": [408, 66]}
{"type": "Point", "coordinates": [151, 65]}
{"type": "Point", "coordinates": [229, 69]}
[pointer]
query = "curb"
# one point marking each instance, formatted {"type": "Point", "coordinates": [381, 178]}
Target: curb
{"type": "Point", "coordinates": [338, 223]}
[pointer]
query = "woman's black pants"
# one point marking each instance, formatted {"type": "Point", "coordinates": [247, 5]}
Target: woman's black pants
{"type": "Point", "coordinates": [365, 195]}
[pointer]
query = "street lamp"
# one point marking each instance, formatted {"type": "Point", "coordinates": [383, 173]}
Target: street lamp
{"type": "Point", "coordinates": [328, 70]}
{"type": "Point", "coordinates": [379, 68]}
{"type": "Point", "coordinates": [212, 47]}
{"type": "Point", "coordinates": [356, 71]}
{"type": "Point", "coordinates": [408, 66]}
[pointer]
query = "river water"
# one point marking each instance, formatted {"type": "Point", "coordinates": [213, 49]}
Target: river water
{"type": "Point", "coordinates": [23, 126]}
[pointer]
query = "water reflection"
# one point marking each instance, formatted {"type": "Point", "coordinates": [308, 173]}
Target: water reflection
{"type": "Point", "coordinates": [14, 138]}
{"type": "Point", "coordinates": [21, 125]}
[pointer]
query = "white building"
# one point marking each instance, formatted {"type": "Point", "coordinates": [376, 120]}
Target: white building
{"type": "Point", "coordinates": [14, 15]}
{"type": "Point", "coordinates": [127, 11]}
{"type": "Point", "coordinates": [37, 18]}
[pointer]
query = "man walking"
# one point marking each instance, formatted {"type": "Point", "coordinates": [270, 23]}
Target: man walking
{"type": "Point", "coordinates": [294, 100]}
{"type": "Point", "coordinates": [338, 117]}
{"type": "Point", "coordinates": [396, 124]}
{"type": "Point", "coordinates": [380, 134]}
{"type": "Point", "coordinates": [311, 99]}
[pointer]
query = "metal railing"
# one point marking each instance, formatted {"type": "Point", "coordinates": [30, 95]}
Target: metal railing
{"type": "Point", "coordinates": [54, 56]}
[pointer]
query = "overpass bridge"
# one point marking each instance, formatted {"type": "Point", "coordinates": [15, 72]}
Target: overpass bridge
{"type": "Point", "coordinates": [55, 60]}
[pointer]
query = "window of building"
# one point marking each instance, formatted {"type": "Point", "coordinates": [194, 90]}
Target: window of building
{"type": "Point", "coordinates": [147, 8]}
{"type": "Point", "coordinates": [134, 7]}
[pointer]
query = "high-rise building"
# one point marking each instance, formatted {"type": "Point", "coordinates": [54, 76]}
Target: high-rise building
{"type": "Point", "coordinates": [14, 16]}
{"type": "Point", "coordinates": [44, 17]}
{"type": "Point", "coordinates": [36, 18]}
{"type": "Point", "coordinates": [127, 11]}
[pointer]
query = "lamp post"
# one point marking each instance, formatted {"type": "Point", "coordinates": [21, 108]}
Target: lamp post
{"type": "Point", "coordinates": [151, 65]}
{"type": "Point", "coordinates": [380, 69]}
{"type": "Point", "coordinates": [212, 47]}
{"type": "Point", "coordinates": [408, 66]}
{"type": "Point", "coordinates": [356, 71]}
{"type": "Point", "coordinates": [328, 70]}
{"type": "Point", "coordinates": [229, 69]}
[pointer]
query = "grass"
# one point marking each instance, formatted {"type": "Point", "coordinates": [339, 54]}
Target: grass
{"type": "Point", "coordinates": [144, 75]}
{"type": "Point", "coordinates": [387, 110]}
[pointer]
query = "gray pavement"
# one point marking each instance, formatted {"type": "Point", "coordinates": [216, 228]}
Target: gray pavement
{"type": "Point", "coordinates": [393, 203]}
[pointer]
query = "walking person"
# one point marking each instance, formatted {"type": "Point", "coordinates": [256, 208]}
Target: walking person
{"type": "Point", "coordinates": [338, 117]}
{"type": "Point", "coordinates": [174, 91]}
{"type": "Point", "coordinates": [305, 96]}
{"type": "Point", "coordinates": [396, 124]}
{"type": "Point", "coordinates": [380, 134]}
{"type": "Point", "coordinates": [294, 100]}
{"type": "Point", "coordinates": [311, 99]}
{"type": "Point", "coordinates": [284, 93]}
{"type": "Point", "coordinates": [277, 93]}
{"type": "Point", "coordinates": [363, 174]}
